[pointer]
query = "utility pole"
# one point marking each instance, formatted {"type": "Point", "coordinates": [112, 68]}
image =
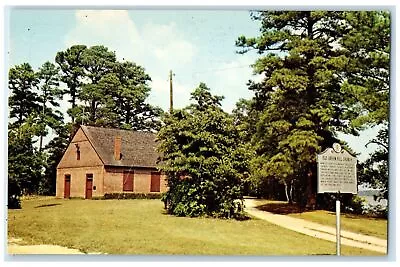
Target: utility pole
{"type": "Point", "coordinates": [171, 104]}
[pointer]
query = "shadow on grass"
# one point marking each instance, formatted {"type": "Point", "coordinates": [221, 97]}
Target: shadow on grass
{"type": "Point", "coordinates": [47, 205]}
{"type": "Point", "coordinates": [242, 217]}
{"type": "Point", "coordinates": [281, 208]}
{"type": "Point", "coordinates": [285, 208]}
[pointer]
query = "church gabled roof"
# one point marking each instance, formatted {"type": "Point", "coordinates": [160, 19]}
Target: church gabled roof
{"type": "Point", "coordinates": [138, 149]}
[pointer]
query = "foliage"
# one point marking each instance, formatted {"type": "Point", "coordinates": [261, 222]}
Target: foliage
{"type": "Point", "coordinates": [106, 92]}
{"type": "Point", "coordinates": [367, 82]}
{"type": "Point", "coordinates": [23, 100]}
{"type": "Point", "coordinates": [112, 93]}
{"type": "Point", "coordinates": [49, 95]}
{"type": "Point", "coordinates": [298, 101]}
{"type": "Point", "coordinates": [202, 158]}
{"type": "Point", "coordinates": [33, 103]}
{"type": "Point", "coordinates": [54, 150]}
{"type": "Point", "coordinates": [25, 162]}
{"type": "Point", "coordinates": [14, 194]}
{"type": "Point", "coordinates": [375, 170]}
{"type": "Point", "coordinates": [132, 195]}
{"type": "Point", "coordinates": [323, 72]}
{"type": "Point", "coordinates": [367, 47]}
{"type": "Point", "coordinates": [356, 206]}
{"type": "Point", "coordinates": [70, 62]}
{"type": "Point", "coordinates": [378, 211]}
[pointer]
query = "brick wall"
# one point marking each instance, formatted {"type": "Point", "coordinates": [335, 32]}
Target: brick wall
{"type": "Point", "coordinates": [88, 156]}
{"type": "Point", "coordinates": [113, 178]}
{"type": "Point", "coordinates": [89, 162]}
{"type": "Point", "coordinates": [78, 181]}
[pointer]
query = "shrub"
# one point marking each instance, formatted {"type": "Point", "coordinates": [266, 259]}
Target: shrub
{"type": "Point", "coordinates": [14, 193]}
{"type": "Point", "coordinates": [379, 211]}
{"type": "Point", "coordinates": [357, 205]}
{"type": "Point", "coordinates": [131, 196]}
{"type": "Point", "coordinates": [203, 159]}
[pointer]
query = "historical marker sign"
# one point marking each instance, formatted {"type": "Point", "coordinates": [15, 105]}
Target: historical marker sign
{"type": "Point", "coordinates": [337, 171]}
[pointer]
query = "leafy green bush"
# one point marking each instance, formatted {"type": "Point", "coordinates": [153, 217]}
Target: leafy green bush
{"type": "Point", "coordinates": [14, 194]}
{"type": "Point", "coordinates": [131, 196]}
{"type": "Point", "coordinates": [203, 159]}
{"type": "Point", "coordinates": [378, 211]}
{"type": "Point", "coordinates": [357, 205]}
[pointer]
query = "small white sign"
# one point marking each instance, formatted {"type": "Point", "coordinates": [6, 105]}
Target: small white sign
{"type": "Point", "coordinates": [337, 171]}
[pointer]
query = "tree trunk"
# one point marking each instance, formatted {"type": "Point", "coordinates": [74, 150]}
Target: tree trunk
{"type": "Point", "coordinates": [128, 115]}
{"type": "Point", "coordinates": [73, 89]}
{"type": "Point", "coordinates": [93, 111]}
{"type": "Point", "coordinates": [286, 191]}
{"type": "Point", "coordinates": [311, 195]}
{"type": "Point", "coordinates": [41, 120]}
{"type": "Point", "coordinates": [291, 192]}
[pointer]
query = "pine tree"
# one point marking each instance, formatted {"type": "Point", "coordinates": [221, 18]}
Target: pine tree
{"type": "Point", "coordinates": [25, 162]}
{"type": "Point", "coordinates": [23, 100]}
{"type": "Point", "coordinates": [70, 62]}
{"type": "Point", "coordinates": [299, 99]}
{"type": "Point", "coordinates": [367, 47]}
{"type": "Point", "coordinates": [50, 94]}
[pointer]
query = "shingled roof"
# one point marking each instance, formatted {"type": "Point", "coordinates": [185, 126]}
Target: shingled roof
{"type": "Point", "coordinates": [137, 148]}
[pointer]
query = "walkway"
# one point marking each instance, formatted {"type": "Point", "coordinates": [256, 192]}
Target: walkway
{"type": "Point", "coordinates": [317, 230]}
{"type": "Point", "coordinates": [16, 246]}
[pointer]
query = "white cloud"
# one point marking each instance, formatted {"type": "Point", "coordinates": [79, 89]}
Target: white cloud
{"type": "Point", "coordinates": [168, 44]}
{"type": "Point", "coordinates": [160, 94]}
{"type": "Point", "coordinates": [157, 47]}
{"type": "Point", "coordinates": [112, 28]}
{"type": "Point", "coordinates": [161, 43]}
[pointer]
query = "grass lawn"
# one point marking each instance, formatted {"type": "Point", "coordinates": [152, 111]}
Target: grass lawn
{"type": "Point", "coordinates": [355, 223]}
{"type": "Point", "coordinates": [142, 227]}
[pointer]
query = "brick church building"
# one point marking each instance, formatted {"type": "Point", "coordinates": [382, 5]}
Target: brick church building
{"type": "Point", "coordinates": [105, 160]}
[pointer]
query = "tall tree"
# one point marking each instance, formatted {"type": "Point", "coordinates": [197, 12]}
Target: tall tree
{"type": "Point", "coordinates": [115, 93]}
{"type": "Point", "coordinates": [202, 158]}
{"type": "Point", "coordinates": [367, 45]}
{"type": "Point", "coordinates": [97, 62]}
{"type": "Point", "coordinates": [23, 100]}
{"type": "Point", "coordinates": [49, 94]}
{"type": "Point", "coordinates": [299, 98]}
{"type": "Point", "coordinates": [24, 161]}
{"type": "Point", "coordinates": [324, 72]}
{"type": "Point", "coordinates": [375, 170]}
{"type": "Point", "coordinates": [70, 62]}
{"type": "Point", "coordinates": [131, 97]}
{"type": "Point", "coordinates": [55, 150]}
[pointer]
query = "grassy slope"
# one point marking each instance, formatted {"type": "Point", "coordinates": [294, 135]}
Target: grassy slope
{"type": "Point", "coordinates": [355, 223]}
{"type": "Point", "coordinates": [141, 227]}
{"type": "Point", "coordinates": [358, 224]}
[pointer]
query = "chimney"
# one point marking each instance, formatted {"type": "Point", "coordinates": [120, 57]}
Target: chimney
{"type": "Point", "coordinates": [117, 147]}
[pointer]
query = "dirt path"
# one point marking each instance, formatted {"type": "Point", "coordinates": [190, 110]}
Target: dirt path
{"type": "Point", "coordinates": [318, 230]}
{"type": "Point", "coordinates": [16, 246]}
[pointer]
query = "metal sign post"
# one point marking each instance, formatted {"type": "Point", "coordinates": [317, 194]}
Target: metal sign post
{"type": "Point", "coordinates": [337, 173]}
{"type": "Point", "coordinates": [338, 225]}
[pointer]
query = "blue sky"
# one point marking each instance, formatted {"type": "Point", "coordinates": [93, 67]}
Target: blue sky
{"type": "Point", "coordinates": [197, 45]}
